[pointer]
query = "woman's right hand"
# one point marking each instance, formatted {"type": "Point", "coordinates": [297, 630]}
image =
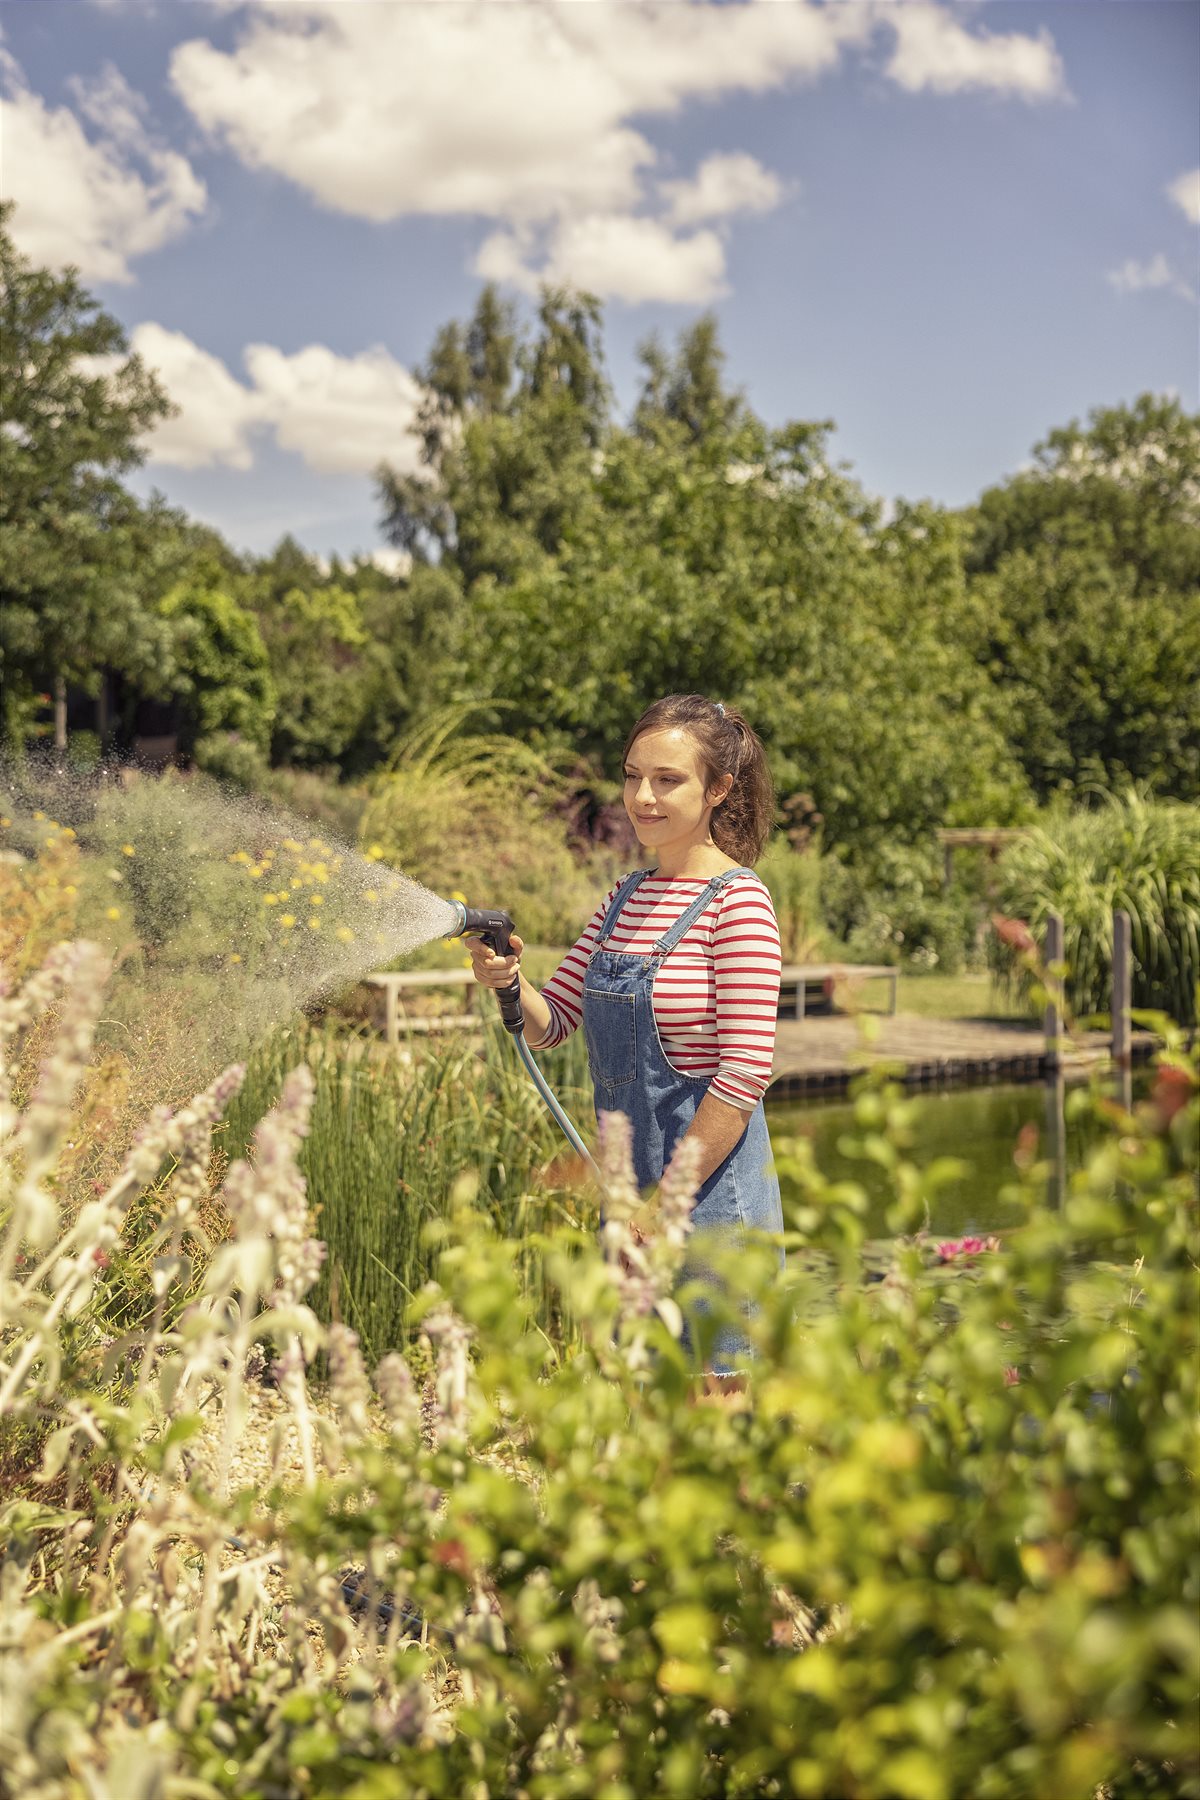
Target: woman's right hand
{"type": "Point", "coordinates": [491, 970]}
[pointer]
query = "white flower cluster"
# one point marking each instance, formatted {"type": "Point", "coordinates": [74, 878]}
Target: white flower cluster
{"type": "Point", "coordinates": [184, 1135]}
{"type": "Point", "coordinates": [451, 1337]}
{"type": "Point", "coordinates": [269, 1198]}
{"type": "Point", "coordinates": [398, 1394]}
{"type": "Point", "coordinates": [643, 1267]}
{"type": "Point", "coordinates": [349, 1390]}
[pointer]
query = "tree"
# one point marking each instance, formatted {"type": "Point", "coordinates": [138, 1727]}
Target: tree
{"type": "Point", "coordinates": [219, 669]}
{"type": "Point", "coordinates": [73, 408]}
{"type": "Point", "coordinates": [688, 389]}
{"type": "Point", "coordinates": [1084, 573]}
{"type": "Point", "coordinates": [504, 472]}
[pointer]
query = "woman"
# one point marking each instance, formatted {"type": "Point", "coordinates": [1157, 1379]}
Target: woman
{"type": "Point", "coordinates": [676, 979]}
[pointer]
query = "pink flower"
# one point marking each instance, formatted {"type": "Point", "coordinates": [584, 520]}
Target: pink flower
{"type": "Point", "coordinates": [953, 1248]}
{"type": "Point", "coordinates": [1012, 1375]}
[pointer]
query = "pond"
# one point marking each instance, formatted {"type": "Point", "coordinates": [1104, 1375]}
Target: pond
{"type": "Point", "coordinates": [980, 1125]}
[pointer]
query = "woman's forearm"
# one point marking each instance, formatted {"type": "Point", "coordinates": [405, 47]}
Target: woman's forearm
{"type": "Point", "coordinates": [538, 1022]}
{"type": "Point", "coordinates": [717, 1128]}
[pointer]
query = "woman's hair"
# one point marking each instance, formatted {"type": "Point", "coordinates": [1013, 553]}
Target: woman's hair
{"type": "Point", "coordinates": [728, 745]}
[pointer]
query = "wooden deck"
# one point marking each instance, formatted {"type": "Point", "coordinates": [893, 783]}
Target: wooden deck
{"type": "Point", "coordinates": [821, 1055]}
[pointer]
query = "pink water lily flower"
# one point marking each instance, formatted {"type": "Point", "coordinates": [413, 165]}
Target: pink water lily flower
{"type": "Point", "coordinates": [965, 1246]}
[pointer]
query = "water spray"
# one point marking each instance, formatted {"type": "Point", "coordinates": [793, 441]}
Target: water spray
{"type": "Point", "coordinates": [495, 928]}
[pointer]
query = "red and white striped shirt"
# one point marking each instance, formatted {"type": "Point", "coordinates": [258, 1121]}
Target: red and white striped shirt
{"type": "Point", "coordinates": [716, 995]}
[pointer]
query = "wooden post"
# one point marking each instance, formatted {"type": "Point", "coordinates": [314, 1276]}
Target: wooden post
{"type": "Point", "coordinates": [1122, 997]}
{"type": "Point", "coordinates": [1052, 953]}
{"type": "Point", "coordinates": [1056, 1135]}
{"type": "Point", "coordinates": [393, 1014]}
{"type": "Point", "coordinates": [60, 715]}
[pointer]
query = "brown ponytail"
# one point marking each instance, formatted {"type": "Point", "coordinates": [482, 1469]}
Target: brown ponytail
{"type": "Point", "coordinates": [728, 745]}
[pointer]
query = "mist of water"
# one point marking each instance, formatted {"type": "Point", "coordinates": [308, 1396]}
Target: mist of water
{"type": "Point", "coordinates": [225, 915]}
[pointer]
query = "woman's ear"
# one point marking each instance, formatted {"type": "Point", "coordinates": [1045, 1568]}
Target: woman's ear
{"type": "Point", "coordinates": [719, 790]}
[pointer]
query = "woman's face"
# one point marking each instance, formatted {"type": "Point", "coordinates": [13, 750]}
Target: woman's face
{"type": "Point", "coordinates": [664, 790]}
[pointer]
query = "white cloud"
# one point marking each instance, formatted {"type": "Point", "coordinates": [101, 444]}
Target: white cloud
{"type": "Point", "coordinates": [522, 114]}
{"type": "Point", "coordinates": [338, 413]}
{"type": "Point", "coordinates": [936, 51]}
{"type": "Point", "coordinates": [216, 412]}
{"type": "Point", "coordinates": [723, 184]}
{"type": "Point", "coordinates": [1185, 192]}
{"type": "Point", "coordinates": [614, 255]}
{"type": "Point", "coordinates": [97, 202]}
{"type": "Point", "coordinates": [1133, 277]}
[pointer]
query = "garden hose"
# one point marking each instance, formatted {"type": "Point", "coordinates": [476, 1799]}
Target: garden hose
{"type": "Point", "coordinates": [495, 928]}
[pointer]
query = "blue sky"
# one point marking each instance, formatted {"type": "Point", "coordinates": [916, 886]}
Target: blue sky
{"type": "Point", "coordinates": [948, 228]}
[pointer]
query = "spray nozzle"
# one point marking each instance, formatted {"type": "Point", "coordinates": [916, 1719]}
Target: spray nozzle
{"type": "Point", "coordinates": [495, 928]}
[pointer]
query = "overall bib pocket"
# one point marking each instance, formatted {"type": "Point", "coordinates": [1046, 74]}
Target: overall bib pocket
{"type": "Point", "coordinates": [611, 1033]}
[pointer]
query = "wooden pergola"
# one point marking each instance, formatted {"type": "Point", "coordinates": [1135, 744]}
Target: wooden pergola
{"type": "Point", "coordinates": [989, 838]}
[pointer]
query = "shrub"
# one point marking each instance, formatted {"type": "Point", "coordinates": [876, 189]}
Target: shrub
{"type": "Point", "coordinates": [896, 908]}
{"type": "Point", "coordinates": [948, 1549]}
{"type": "Point", "coordinates": [1132, 852]}
{"type": "Point", "coordinates": [474, 814]}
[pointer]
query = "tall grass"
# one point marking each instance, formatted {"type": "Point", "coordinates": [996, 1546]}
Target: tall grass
{"type": "Point", "coordinates": [1132, 852]}
{"type": "Point", "coordinates": [476, 814]}
{"type": "Point", "coordinates": [388, 1141]}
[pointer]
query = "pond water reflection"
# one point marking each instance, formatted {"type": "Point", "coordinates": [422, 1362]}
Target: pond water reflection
{"type": "Point", "coordinates": [980, 1125]}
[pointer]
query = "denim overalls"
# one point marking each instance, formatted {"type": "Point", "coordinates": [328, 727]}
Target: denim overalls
{"type": "Point", "coordinates": [631, 1074]}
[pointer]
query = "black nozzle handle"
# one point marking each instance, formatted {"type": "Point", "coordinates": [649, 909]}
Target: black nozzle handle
{"type": "Point", "coordinates": [495, 928]}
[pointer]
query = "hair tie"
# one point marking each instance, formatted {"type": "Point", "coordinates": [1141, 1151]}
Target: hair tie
{"type": "Point", "coordinates": [720, 708]}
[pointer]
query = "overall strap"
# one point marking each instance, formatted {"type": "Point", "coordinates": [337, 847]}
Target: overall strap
{"type": "Point", "coordinates": [670, 938]}
{"type": "Point", "coordinates": [627, 885]}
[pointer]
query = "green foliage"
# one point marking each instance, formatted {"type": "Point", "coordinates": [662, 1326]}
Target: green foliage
{"type": "Point", "coordinates": [1086, 588]}
{"type": "Point", "coordinates": [467, 813]}
{"type": "Point", "coordinates": [794, 879]}
{"type": "Point", "coordinates": [73, 407]}
{"type": "Point", "coordinates": [897, 908]}
{"type": "Point", "coordinates": [391, 1134]}
{"type": "Point", "coordinates": [947, 1548]}
{"type": "Point", "coordinates": [221, 671]}
{"type": "Point", "coordinates": [1132, 852]}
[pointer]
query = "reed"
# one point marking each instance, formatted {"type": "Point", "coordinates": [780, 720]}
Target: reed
{"type": "Point", "coordinates": [391, 1136]}
{"type": "Point", "coordinates": [1131, 852]}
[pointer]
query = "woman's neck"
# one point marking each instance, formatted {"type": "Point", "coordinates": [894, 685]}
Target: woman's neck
{"type": "Point", "coordinates": [699, 861]}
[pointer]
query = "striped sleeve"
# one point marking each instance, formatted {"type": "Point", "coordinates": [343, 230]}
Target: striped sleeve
{"type": "Point", "coordinates": [746, 964]}
{"type": "Point", "coordinates": [563, 993]}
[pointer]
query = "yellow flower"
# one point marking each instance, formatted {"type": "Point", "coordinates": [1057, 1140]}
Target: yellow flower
{"type": "Point", "coordinates": [372, 896]}
{"type": "Point", "coordinates": [296, 881]}
{"type": "Point", "coordinates": [457, 896]}
{"type": "Point", "coordinates": [66, 830]}
{"type": "Point", "coordinates": [54, 825]}
{"type": "Point", "coordinates": [344, 934]}
{"type": "Point", "coordinates": [239, 856]}
{"type": "Point", "coordinates": [255, 874]}
{"type": "Point", "coordinates": [127, 850]}
{"type": "Point", "coordinates": [291, 844]}
{"type": "Point", "coordinates": [287, 920]}
{"type": "Point", "coordinates": [71, 889]}
{"type": "Point", "coordinates": [235, 957]}
{"type": "Point", "coordinates": [314, 924]}
{"type": "Point", "coordinates": [5, 822]}
{"type": "Point", "coordinates": [39, 815]}
{"type": "Point", "coordinates": [270, 899]}
{"type": "Point", "coordinates": [114, 912]}
{"type": "Point", "coordinates": [318, 900]}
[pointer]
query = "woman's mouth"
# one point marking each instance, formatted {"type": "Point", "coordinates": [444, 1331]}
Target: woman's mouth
{"type": "Point", "coordinates": [649, 818]}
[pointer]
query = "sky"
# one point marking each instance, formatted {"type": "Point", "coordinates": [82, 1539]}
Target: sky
{"type": "Point", "coordinates": [946, 228]}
